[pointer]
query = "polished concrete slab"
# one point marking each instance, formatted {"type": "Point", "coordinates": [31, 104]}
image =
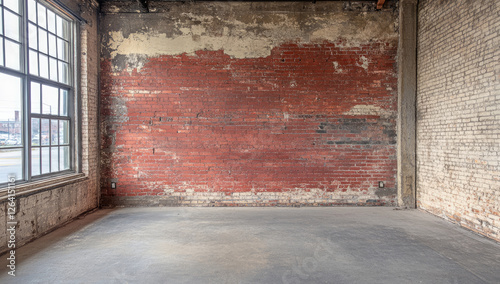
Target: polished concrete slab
{"type": "Point", "coordinates": [258, 245]}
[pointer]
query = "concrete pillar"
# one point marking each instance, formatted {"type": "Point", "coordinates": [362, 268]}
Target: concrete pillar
{"type": "Point", "coordinates": [407, 89]}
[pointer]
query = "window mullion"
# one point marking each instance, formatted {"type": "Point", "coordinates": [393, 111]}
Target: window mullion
{"type": "Point", "coordinates": [26, 98]}
{"type": "Point", "coordinates": [27, 127]}
{"type": "Point", "coordinates": [50, 82]}
{"type": "Point", "coordinates": [3, 35]}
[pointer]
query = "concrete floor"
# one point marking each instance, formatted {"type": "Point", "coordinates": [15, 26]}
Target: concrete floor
{"type": "Point", "coordinates": [258, 245]}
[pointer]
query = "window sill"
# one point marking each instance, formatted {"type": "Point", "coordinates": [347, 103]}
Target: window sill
{"type": "Point", "coordinates": [26, 189]}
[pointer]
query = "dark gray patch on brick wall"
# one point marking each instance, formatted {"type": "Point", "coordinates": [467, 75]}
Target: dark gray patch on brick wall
{"type": "Point", "coordinates": [383, 192]}
{"type": "Point", "coordinates": [121, 62]}
{"type": "Point", "coordinates": [391, 134]}
{"type": "Point", "coordinates": [120, 110]}
{"type": "Point", "coordinates": [352, 125]}
{"type": "Point", "coordinates": [350, 142]}
{"type": "Point", "coordinates": [140, 201]}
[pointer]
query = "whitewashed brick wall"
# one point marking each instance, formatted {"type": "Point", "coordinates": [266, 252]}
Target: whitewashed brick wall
{"type": "Point", "coordinates": [458, 112]}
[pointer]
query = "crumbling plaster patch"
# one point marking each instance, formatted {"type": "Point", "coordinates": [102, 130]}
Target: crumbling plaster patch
{"type": "Point", "coordinates": [240, 33]}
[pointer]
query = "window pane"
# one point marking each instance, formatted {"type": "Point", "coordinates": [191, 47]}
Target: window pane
{"type": "Point", "coordinates": [12, 28]}
{"type": "Point", "coordinates": [11, 162]}
{"type": "Point", "coordinates": [41, 16]}
{"type": "Point", "coordinates": [63, 72]}
{"type": "Point", "coordinates": [33, 41]}
{"type": "Point", "coordinates": [59, 26]}
{"type": "Point", "coordinates": [33, 58]}
{"type": "Point", "coordinates": [45, 160]}
{"type": "Point", "coordinates": [65, 29]}
{"type": "Point", "coordinates": [63, 103]}
{"type": "Point", "coordinates": [42, 40]}
{"type": "Point", "coordinates": [53, 69]}
{"type": "Point", "coordinates": [50, 97]}
{"type": "Point", "coordinates": [54, 131]}
{"type": "Point", "coordinates": [44, 65]}
{"type": "Point", "coordinates": [1, 22]}
{"type": "Point", "coordinates": [45, 132]}
{"type": "Point", "coordinates": [35, 132]}
{"type": "Point", "coordinates": [32, 10]}
{"type": "Point", "coordinates": [62, 28]}
{"type": "Point", "coordinates": [63, 132]}
{"type": "Point", "coordinates": [10, 110]}
{"type": "Point", "coordinates": [54, 158]}
{"type": "Point", "coordinates": [64, 158]}
{"type": "Point", "coordinates": [1, 52]}
{"type": "Point", "coordinates": [51, 21]}
{"type": "Point", "coordinates": [35, 97]}
{"type": "Point", "coordinates": [52, 45]}
{"type": "Point", "coordinates": [13, 5]}
{"type": "Point", "coordinates": [12, 58]}
{"type": "Point", "coordinates": [13, 141]}
{"type": "Point", "coordinates": [62, 49]}
{"type": "Point", "coordinates": [35, 161]}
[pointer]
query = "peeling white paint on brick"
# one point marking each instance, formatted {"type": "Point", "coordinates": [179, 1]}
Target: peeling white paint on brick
{"type": "Point", "coordinates": [369, 110]}
{"type": "Point", "coordinates": [246, 34]}
{"type": "Point", "coordinates": [364, 62]}
{"type": "Point", "coordinates": [337, 68]}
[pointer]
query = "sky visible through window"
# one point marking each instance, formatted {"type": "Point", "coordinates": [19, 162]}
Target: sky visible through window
{"type": "Point", "coordinates": [11, 97]}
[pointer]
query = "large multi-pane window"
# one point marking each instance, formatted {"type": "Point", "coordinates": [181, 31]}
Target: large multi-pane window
{"type": "Point", "coordinates": [36, 90]}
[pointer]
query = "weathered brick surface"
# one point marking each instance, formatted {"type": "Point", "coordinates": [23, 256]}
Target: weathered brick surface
{"type": "Point", "coordinates": [458, 117]}
{"type": "Point", "coordinates": [89, 90]}
{"type": "Point", "coordinates": [311, 123]}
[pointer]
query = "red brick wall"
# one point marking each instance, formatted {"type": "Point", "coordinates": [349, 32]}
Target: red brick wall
{"type": "Point", "coordinates": [309, 124]}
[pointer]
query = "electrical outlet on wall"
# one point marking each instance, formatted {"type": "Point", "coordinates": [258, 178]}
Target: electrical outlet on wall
{"type": "Point", "coordinates": [113, 185]}
{"type": "Point", "coordinates": [381, 184]}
